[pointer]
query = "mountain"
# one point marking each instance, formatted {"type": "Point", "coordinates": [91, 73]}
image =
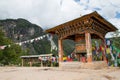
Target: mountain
{"type": "Point", "coordinates": [19, 30]}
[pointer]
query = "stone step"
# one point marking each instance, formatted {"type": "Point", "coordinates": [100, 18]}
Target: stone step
{"type": "Point", "coordinates": [80, 65]}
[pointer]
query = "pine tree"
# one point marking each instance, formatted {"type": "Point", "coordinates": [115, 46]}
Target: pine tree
{"type": "Point", "coordinates": [9, 55]}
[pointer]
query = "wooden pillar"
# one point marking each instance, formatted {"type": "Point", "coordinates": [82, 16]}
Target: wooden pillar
{"type": "Point", "coordinates": [104, 52]}
{"type": "Point", "coordinates": [41, 63]}
{"type": "Point", "coordinates": [88, 46]}
{"type": "Point", "coordinates": [31, 62]}
{"type": "Point", "coordinates": [22, 62]}
{"type": "Point", "coordinates": [78, 55]}
{"type": "Point", "coordinates": [60, 51]}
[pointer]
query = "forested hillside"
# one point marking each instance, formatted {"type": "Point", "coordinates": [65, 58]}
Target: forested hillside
{"type": "Point", "coordinates": [19, 30]}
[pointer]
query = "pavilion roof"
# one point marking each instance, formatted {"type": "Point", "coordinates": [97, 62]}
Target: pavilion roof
{"type": "Point", "coordinates": [94, 16]}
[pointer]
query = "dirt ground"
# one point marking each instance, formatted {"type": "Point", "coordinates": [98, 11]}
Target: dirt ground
{"type": "Point", "coordinates": [46, 73]}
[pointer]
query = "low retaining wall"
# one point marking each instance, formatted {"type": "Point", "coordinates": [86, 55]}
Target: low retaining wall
{"type": "Point", "coordinates": [80, 65]}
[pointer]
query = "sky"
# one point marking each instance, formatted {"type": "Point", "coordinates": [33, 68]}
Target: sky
{"type": "Point", "coordinates": [50, 13]}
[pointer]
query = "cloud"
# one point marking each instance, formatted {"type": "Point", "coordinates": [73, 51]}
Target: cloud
{"type": "Point", "coordinates": [109, 9]}
{"type": "Point", "coordinates": [29, 9]}
{"type": "Point", "coordinates": [49, 13]}
{"type": "Point", "coordinates": [115, 3]}
{"type": "Point", "coordinates": [115, 22]}
{"type": "Point", "coordinates": [46, 13]}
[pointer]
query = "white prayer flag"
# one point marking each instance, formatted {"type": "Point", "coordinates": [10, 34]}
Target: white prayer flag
{"type": "Point", "coordinates": [44, 36]}
{"type": "Point", "coordinates": [108, 42]}
{"type": "Point", "coordinates": [31, 40]}
{"type": "Point", "coordinates": [20, 43]}
{"type": "Point", "coordinates": [38, 38]}
{"type": "Point", "coordinates": [2, 47]}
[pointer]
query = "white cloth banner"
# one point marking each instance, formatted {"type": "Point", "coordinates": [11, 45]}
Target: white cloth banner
{"type": "Point", "coordinates": [53, 46]}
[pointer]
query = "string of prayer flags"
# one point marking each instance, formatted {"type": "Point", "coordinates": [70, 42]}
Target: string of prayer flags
{"type": "Point", "coordinates": [50, 38]}
{"type": "Point", "coordinates": [27, 41]}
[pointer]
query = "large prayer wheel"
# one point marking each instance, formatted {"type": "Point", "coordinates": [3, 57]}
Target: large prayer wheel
{"type": "Point", "coordinates": [80, 48]}
{"type": "Point", "coordinates": [80, 44]}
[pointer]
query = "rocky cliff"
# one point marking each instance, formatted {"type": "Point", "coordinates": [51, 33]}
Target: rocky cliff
{"type": "Point", "coordinates": [21, 30]}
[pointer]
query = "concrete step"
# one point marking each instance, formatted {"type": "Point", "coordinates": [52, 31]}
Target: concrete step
{"type": "Point", "coordinates": [80, 65]}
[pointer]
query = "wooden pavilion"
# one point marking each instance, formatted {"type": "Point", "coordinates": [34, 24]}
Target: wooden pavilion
{"type": "Point", "coordinates": [31, 59]}
{"type": "Point", "coordinates": [82, 30]}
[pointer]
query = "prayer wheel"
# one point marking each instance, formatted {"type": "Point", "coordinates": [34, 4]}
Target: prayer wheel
{"type": "Point", "coordinates": [80, 46]}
